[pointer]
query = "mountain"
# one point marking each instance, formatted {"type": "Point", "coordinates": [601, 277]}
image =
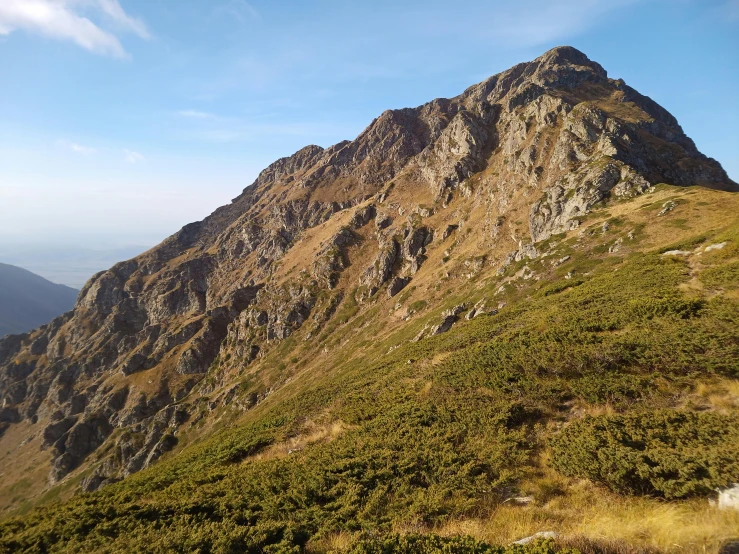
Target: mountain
{"type": "Point", "coordinates": [28, 300]}
{"type": "Point", "coordinates": [508, 310]}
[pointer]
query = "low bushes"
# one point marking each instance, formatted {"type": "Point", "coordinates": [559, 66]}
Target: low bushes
{"type": "Point", "coordinates": [662, 453]}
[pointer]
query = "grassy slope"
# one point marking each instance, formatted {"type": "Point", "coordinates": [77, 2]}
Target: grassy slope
{"type": "Point", "coordinates": [439, 435]}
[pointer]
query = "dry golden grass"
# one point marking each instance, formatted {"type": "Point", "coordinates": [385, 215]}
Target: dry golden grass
{"type": "Point", "coordinates": [718, 394]}
{"type": "Point", "coordinates": [312, 433]}
{"type": "Point", "coordinates": [24, 467]}
{"type": "Point", "coordinates": [336, 542]}
{"type": "Point", "coordinates": [585, 514]}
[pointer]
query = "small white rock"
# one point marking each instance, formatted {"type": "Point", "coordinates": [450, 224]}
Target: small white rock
{"type": "Point", "coordinates": [728, 498]}
{"type": "Point", "coordinates": [718, 246]}
{"type": "Point", "coordinates": [676, 253]}
{"type": "Point", "coordinates": [537, 536]}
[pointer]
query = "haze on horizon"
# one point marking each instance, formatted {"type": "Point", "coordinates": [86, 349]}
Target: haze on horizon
{"type": "Point", "coordinates": [124, 120]}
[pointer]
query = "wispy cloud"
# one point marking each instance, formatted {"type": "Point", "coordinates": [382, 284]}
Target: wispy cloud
{"type": "Point", "coordinates": [76, 148]}
{"type": "Point", "coordinates": [241, 10]}
{"type": "Point", "coordinates": [61, 20]}
{"type": "Point", "coordinates": [113, 10]}
{"type": "Point", "coordinates": [195, 114]}
{"type": "Point", "coordinates": [133, 157]}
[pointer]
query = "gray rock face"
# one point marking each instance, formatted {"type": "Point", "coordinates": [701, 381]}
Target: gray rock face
{"type": "Point", "coordinates": [381, 269]}
{"type": "Point", "coordinates": [449, 318]}
{"type": "Point", "coordinates": [396, 285]}
{"type": "Point", "coordinates": [332, 259]}
{"type": "Point", "coordinates": [556, 131]}
{"type": "Point", "coordinates": [414, 248]}
{"type": "Point", "coordinates": [74, 445]}
{"type": "Point", "coordinates": [455, 155]}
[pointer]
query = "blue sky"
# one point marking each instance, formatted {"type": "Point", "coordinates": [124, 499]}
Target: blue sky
{"type": "Point", "coordinates": [120, 121]}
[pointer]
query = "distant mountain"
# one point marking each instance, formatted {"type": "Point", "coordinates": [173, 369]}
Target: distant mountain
{"type": "Point", "coordinates": [28, 300]}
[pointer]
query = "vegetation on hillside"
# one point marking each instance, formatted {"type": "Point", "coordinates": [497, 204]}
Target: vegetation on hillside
{"type": "Point", "coordinates": [392, 451]}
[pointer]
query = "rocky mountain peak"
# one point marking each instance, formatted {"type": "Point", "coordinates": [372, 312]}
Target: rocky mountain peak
{"type": "Point", "coordinates": [540, 143]}
{"type": "Point", "coordinates": [565, 66]}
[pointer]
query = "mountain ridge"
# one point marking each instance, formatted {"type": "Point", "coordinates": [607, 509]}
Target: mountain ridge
{"type": "Point", "coordinates": [28, 300]}
{"type": "Point", "coordinates": [473, 185]}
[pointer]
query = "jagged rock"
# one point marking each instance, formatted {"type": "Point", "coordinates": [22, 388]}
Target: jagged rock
{"type": "Point", "coordinates": [396, 285]}
{"type": "Point", "coordinates": [480, 309]}
{"type": "Point", "coordinates": [331, 260]}
{"type": "Point", "coordinates": [84, 437]}
{"type": "Point", "coordinates": [363, 216]}
{"type": "Point", "coordinates": [450, 317]}
{"type": "Point", "coordinates": [616, 246]}
{"type": "Point", "coordinates": [9, 415]}
{"type": "Point", "coordinates": [455, 155]}
{"type": "Point", "coordinates": [526, 251]}
{"type": "Point", "coordinates": [667, 207]}
{"type": "Point", "coordinates": [413, 250]}
{"type": "Point", "coordinates": [455, 311]}
{"type": "Point", "coordinates": [448, 230]}
{"type": "Point", "coordinates": [381, 269]}
{"type": "Point", "coordinates": [444, 326]}
{"type": "Point", "coordinates": [54, 431]}
{"type": "Point", "coordinates": [382, 221]}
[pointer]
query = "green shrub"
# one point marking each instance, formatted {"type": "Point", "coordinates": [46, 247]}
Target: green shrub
{"type": "Point", "coordinates": [648, 308]}
{"type": "Point", "coordinates": [561, 286]}
{"type": "Point", "coordinates": [661, 453]}
{"type": "Point", "coordinates": [723, 276]}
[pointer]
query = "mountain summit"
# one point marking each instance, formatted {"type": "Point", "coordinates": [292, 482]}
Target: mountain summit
{"type": "Point", "coordinates": [474, 189]}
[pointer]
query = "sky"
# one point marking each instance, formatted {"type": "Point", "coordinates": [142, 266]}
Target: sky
{"type": "Point", "coordinates": [122, 120]}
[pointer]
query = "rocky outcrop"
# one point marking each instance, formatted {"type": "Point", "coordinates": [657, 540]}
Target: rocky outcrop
{"type": "Point", "coordinates": [414, 248]}
{"type": "Point", "coordinates": [332, 259]}
{"type": "Point", "coordinates": [382, 267]}
{"type": "Point", "coordinates": [456, 155]}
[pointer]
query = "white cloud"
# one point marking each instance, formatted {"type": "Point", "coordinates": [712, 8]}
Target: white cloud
{"type": "Point", "coordinates": [61, 20]}
{"type": "Point", "coordinates": [77, 148]}
{"type": "Point", "coordinates": [113, 10]}
{"type": "Point", "coordinates": [133, 157]}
